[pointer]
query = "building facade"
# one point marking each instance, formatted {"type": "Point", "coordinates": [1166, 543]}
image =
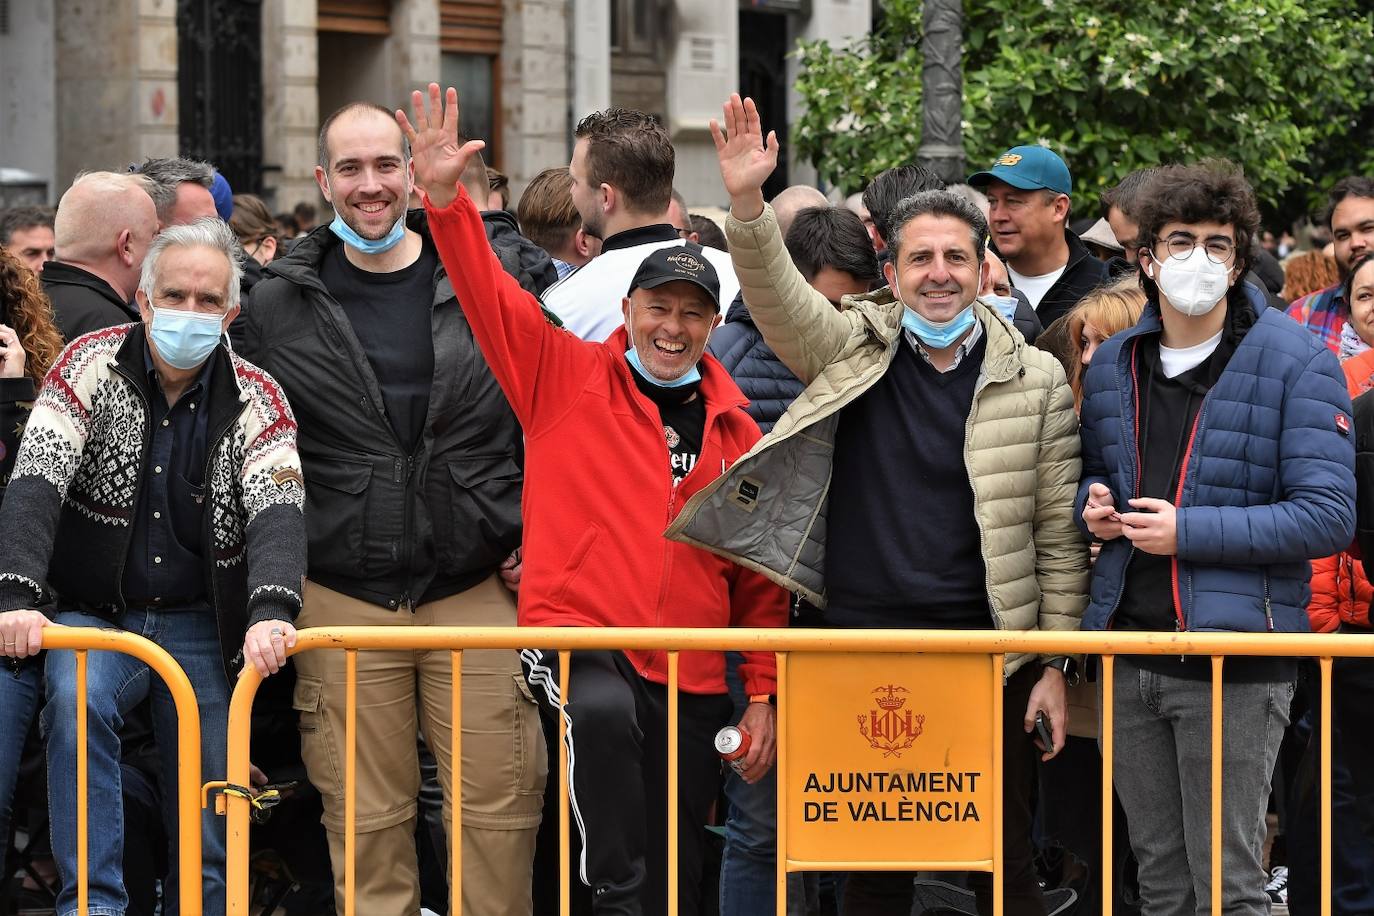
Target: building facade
{"type": "Point", "coordinates": [245, 83]}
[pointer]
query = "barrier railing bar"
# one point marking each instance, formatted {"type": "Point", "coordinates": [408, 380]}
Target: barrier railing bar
{"type": "Point", "coordinates": [237, 810]}
{"type": "Point", "coordinates": [781, 642]}
{"type": "Point", "coordinates": [455, 834]}
{"type": "Point", "coordinates": [83, 878]}
{"type": "Point", "coordinates": [719, 639]}
{"type": "Point", "coordinates": [1217, 749]}
{"type": "Point", "coordinates": [350, 779]}
{"type": "Point", "coordinates": [564, 812]}
{"type": "Point", "coordinates": [1325, 664]}
{"type": "Point", "coordinates": [672, 784]}
{"type": "Point", "coordinates": [1107, 681]}
{"type": "Point", "coordinates": [780, 848]}
{"type": "Point", "coordinates": [998, 850]}
{"type": "Point", "coordinates": [83, 640]}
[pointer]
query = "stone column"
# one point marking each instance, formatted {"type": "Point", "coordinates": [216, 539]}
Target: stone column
{"type": "Point", "coordinates": [591, 52]}
{"type": "Point", "coordinates": [290, 103]}
{"type": "Point", "coordinates": [942, 75]}
{"type": "Point", "coordinates": [116, 84]}
{"type": "Point", "coordinates": [841, 23]}
{"type": "Point", "coordinates": [535, 97]}
{"type": "Point", "coordinates": [703, 69]}
{"type": "Point", "coordinates": [28, 122]}
{"type": "Point", "coordinates": [413, 49]}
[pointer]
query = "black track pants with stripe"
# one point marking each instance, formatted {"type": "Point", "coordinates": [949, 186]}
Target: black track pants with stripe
{"type": "Point", "coordinates": [618, 772]}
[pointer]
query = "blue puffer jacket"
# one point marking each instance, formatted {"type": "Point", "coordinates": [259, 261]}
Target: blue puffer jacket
{"type": "Point", "coordinates": [766, 382]}
{"type": "Point", "coordinates": [1268, 480]}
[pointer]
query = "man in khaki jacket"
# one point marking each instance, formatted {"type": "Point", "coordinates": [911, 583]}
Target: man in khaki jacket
{"type": "Point", "coordinates": [925, 478]}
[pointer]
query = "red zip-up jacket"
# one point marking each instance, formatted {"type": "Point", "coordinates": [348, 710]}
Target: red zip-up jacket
{"type": "Point", "coordinates": [598, 489]}
{"type": "Point", "coordinates": [1341, 592]}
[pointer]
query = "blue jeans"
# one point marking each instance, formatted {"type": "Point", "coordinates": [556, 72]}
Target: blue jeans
{"type": "Point", "coordinates": [115, 684]}
{"type": "Point", "coordinates": [19, 689]}
{"type": "Point", "coordinates": [748, 869]}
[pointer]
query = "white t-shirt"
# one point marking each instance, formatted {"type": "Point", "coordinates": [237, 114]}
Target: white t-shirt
{"type": "Point", "coordinates": [1035, 287]}
{"type": "Point", "coordinates": [588, 300]}
{"type": "Point", "coordinates": [1177, 361]}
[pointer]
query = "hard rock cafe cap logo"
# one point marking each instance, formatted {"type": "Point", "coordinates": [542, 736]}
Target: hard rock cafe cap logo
{"type": "Point", "coordinates": [678, 262]}
{"type": "Point", "coordinates": [890, 728]}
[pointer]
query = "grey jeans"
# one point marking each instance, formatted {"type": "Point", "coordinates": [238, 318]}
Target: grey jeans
{"type": "Point", "coordinates": [1163, 775]}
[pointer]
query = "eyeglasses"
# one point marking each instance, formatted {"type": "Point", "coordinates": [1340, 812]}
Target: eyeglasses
{"type": "Point", "coordinates": [1219, 250]}
{"type": "Point", "coordinates": [684, 233]}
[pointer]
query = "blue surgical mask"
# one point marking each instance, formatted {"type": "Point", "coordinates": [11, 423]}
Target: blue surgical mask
{"type": "Point", "coordinates": [1004, 304]}
{"type": "Point", "coordinates": [935, 334]}
{"type": "Point", "coordinates": [185, 339]}
{"type": "Point", "coordinates": [690, 377]}
{"type": "Point", "coordinates": [368, 246]}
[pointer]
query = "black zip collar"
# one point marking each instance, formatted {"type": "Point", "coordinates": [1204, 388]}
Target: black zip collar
{"type": "Point", "coordinates": [641, 235]}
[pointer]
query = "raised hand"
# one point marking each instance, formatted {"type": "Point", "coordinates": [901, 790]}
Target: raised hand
{"type": "Point", "coordinates": [434, 147]}
{"type": "Point", "coordinates": [746, 160]}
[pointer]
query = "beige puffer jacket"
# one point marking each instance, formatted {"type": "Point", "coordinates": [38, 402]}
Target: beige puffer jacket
{"type": "Point", "coordinates": [767, 512]}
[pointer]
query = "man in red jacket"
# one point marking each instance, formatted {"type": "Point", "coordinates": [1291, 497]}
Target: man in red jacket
{"type": "Point", "coordinates": [618, 436]}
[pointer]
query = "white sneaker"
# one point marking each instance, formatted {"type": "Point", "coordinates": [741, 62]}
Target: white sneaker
{"type": "Point", "coordinates": [1277, 889]}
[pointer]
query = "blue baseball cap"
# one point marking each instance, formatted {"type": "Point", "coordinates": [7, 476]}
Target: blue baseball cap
{"type": "Point", "coordinates": [1029, 168]}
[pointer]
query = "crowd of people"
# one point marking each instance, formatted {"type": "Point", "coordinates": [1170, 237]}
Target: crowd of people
{"type": "Point", "coordinates": [927, 407]}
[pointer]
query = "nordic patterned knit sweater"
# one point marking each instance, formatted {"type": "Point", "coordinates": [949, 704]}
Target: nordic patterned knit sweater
{"type": "Point", "coordinates": [74, 490]}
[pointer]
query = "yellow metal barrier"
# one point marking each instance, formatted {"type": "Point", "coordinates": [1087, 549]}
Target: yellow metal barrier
{"type": "Point", "coordinates": [83, 640]}
{"type": "Point", "coordinates": [782, 642]}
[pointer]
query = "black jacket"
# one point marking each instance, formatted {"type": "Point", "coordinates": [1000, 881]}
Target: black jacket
{"type": "Point", "coordinates": [766, 382]}
{"type": "Point", "coordinates": [1082, 274]}
{"type": "Point", "coordinates": [386, 525]}
{"type": "Point", "coordinates": [529, 264]}
{"type": "Point", "coordinates": [1364, 478]}
{"type": "Point", "coordinates": [1026, 320]}
{"type": "Point", "coordinates": [82, 302]}
{"type": "Point", "coordinates": [16, 399]}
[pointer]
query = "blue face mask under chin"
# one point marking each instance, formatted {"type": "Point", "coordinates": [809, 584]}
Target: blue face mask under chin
{"type": "Point", "coordinates": [690, 377]}
{"type": "Point", "coordinates": [935, 334]}
{"type": "Point", "coordinates": [368, 246]}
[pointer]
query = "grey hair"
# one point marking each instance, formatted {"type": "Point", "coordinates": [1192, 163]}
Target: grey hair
{"type": "Point", "coordinates": [206, 232]}
{"type": "Point", "coordinates": [164, 176]}
{"type": "Point", "coordinates": [941, 203]}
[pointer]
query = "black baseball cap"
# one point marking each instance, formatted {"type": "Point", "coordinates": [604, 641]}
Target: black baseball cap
{"type": "Point", "coordinates": [678, 262]}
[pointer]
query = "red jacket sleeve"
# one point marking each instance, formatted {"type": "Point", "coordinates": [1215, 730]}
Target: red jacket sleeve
{"type": "Point", "coordinates": [1324, 609]}
{"type": "Point", "coordinates": [755, 601]}
{"type": "Point", "coordinates": [542, 369]}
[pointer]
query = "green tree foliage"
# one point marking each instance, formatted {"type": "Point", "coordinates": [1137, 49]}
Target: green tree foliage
{"type": "Point", "coordinates": [1280, 86]}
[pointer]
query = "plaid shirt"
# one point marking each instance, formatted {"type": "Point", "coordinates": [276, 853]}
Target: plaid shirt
{"type": "Point", "coordinates": [1324, 313]}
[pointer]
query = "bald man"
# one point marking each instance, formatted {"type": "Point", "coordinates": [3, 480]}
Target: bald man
{"type": "Point", "coordinates": [105, 223]}
{"type": "Point", "coordinates": [793, 200]}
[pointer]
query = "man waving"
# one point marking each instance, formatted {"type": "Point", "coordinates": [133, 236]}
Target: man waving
{"type": "Point", "coordinates": [618, 436]}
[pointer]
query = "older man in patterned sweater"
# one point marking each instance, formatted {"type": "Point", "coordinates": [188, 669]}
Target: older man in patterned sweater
{"type": "Point", "coordinates": [159, 492]}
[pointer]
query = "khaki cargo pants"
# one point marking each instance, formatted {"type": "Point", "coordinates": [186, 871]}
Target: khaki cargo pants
{"type": "Point", "coordinates": [400, 693]}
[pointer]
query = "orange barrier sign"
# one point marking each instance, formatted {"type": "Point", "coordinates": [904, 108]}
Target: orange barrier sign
{"type": "Point", "coordinates": [891, 759]}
